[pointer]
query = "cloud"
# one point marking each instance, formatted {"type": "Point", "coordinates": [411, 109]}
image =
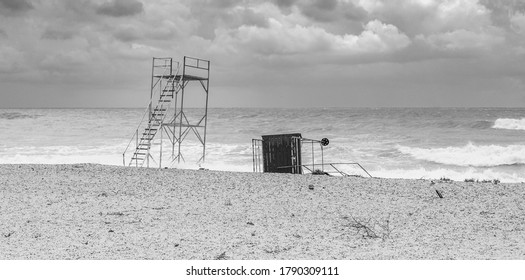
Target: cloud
{"type": "Point", "coordinates": [207, 16]}
{"type": "Point", "coordinates": [127, 34]}
{"type": "Point", "coordinates": [10, 59]}
{"type": "Point", "coordinates": [52, 34]}
{"type": "Point", "coordinates": [462, 39]}
{"type": "Point", "coordinates": [501, 10]}
{"type": "Point", "coordinates": [517, 22]}
{"type": "Point", "coordinates": [16, 5]}
{"type": "Point", "coordinates": [331, 10]}
{"type": "Point", "coordinates": [285, 39]}
{"type": "Point", "coordinates": [103, 41]}
{"type": "Point", "coordinates": [65, 60]}
{"type": "Point", "coordinates": [120, 8]}
{"type": "Point", "coordinates": [284, 3]}
{"type": "Point", "coordinates": [415, 17]}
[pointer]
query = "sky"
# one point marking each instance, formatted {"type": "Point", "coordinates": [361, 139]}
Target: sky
{"type": "Point", "coordinates": [281, 53]}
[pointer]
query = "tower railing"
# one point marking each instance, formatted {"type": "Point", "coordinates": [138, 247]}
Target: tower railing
{"type": "Point", "coordinates": [166, 113]}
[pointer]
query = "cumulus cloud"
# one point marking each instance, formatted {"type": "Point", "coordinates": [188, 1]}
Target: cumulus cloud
{"type": "Point", "coordinates": [417, 17]}
{"type": "Point", "coordinates": [282, 39]}
{"type": "Point", "coordinates": [120, 8]}
{"type": "Point", "coordinates": [207, 16]}
{"type": "Point", "coordinates": [102, 39]}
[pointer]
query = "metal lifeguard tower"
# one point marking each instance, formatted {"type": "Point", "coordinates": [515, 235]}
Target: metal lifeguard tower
{"type": "Point", "coordinates": [166, 117]}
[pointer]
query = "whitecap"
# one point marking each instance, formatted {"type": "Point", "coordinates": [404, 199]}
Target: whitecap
{"type": "Point", "coordinates": [514, 124]}
{"type": "Point", "coordinates": [470, 155]}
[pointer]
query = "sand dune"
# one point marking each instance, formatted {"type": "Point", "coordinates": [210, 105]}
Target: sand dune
{"type": "Point", "coordinates": [106, 212]}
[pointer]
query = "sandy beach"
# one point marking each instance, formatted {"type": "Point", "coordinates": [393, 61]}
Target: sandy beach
{"type": "Point", "coordinates": [87, 211]}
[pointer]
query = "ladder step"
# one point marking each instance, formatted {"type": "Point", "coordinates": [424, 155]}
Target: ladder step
{"type": "Point", "coordinates": [138, 154]}
{"type": "Point", "coordinates": [159, 110]}
{"type": "Point", "coordinates": [144, 149]}
{"type": "Point", "coordinates": [135, 158]}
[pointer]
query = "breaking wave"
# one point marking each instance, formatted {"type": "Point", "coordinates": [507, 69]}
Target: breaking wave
{"type": "Point", "coordinates": [515, 124]}
{"type": "Point", "coordinates": [470, 155]}
{"type": "Point", "coordinates": [456, 175]}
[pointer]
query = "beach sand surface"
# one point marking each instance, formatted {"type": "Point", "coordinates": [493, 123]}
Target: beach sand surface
{"type": "Point", "coordinates": [88, 211]}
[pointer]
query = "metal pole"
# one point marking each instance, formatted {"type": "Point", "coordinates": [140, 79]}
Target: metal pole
{"type": "Point", "coordinates": [258, 153]}
{"type": "Point", "coordinates": [181, 108]}
{"type": "Point", "coordinates": [313, 160]}
{"type": "Point", "coordinates": [151, 88]}
{"type": "Point", "coordinates": [136, 146]}
{"type": "Point", "coordinates": [206, 113]}
{"type": "Point", "coordinates": [174, 95]}
{"type": "Point", "coordinates": [160, 157]}
{"type": "Point", "coordinates": [322, 158]}
{"type": "Point", "coordinates": [253, 154]}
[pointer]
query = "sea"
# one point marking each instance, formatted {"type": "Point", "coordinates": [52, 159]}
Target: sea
{"type": "Point", "coordinates": [412, 143]}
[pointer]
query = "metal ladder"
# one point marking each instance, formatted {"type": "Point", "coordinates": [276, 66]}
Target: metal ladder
{"type": "Point", "coordinates": [156, 115]}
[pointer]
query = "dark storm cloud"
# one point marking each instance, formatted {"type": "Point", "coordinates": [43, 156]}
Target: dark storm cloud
{"type": "Point", "coordinates": [16, 5]}
{"type": "Point", "coordinates": [500, 10]}
{"type": "Point", "coordinates": [120, 8]}
{"type": "Point", "coordinates": [406, 48]}
{"type": "Point", "coordinates": [320, 10]}
{"type": "Point", "coordinates": [284, 3]}
{"type": "Point", "coordinates": [226, 14]}
{"type": "Point", "coordinates": [52, 34]}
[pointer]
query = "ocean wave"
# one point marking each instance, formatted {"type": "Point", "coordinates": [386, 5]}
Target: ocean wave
{"type": "Point", "coordinates": [481, 124]}
{"type": "Point", "coordinates": [514, 124]}
{"type": "Point", "coordinates": [16, 116]}
{"type": "Point", "coordinates": [456, 175]}
{"type": "Point", "coordinates": [470, 155]}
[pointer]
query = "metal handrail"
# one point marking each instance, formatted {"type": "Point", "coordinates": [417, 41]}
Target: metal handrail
{"type": "Point", "coordinates": [332, 165]}
{"type": "Point", "coordinates": [135, 134]}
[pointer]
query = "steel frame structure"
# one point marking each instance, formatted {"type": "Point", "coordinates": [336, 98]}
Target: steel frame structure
{"type": "Point", "coordinates": [167, 114]}
{"type": "Point", "coordinates": [312, 167]}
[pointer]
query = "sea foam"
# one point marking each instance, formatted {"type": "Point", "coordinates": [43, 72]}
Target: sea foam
{"type": "Point", "coordinates": [515, 124]}
{"type": "Point", "coordinates": [470, 155]}
{"type": "Point", "coordinates": [456, 175]}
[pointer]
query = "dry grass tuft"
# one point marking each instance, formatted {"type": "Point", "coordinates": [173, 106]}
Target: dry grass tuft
{"type": "Point", "coordinates": [371, 228]}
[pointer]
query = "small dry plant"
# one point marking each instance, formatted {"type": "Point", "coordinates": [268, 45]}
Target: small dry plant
{"type": "Point", "coordinates": [371, 228]}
